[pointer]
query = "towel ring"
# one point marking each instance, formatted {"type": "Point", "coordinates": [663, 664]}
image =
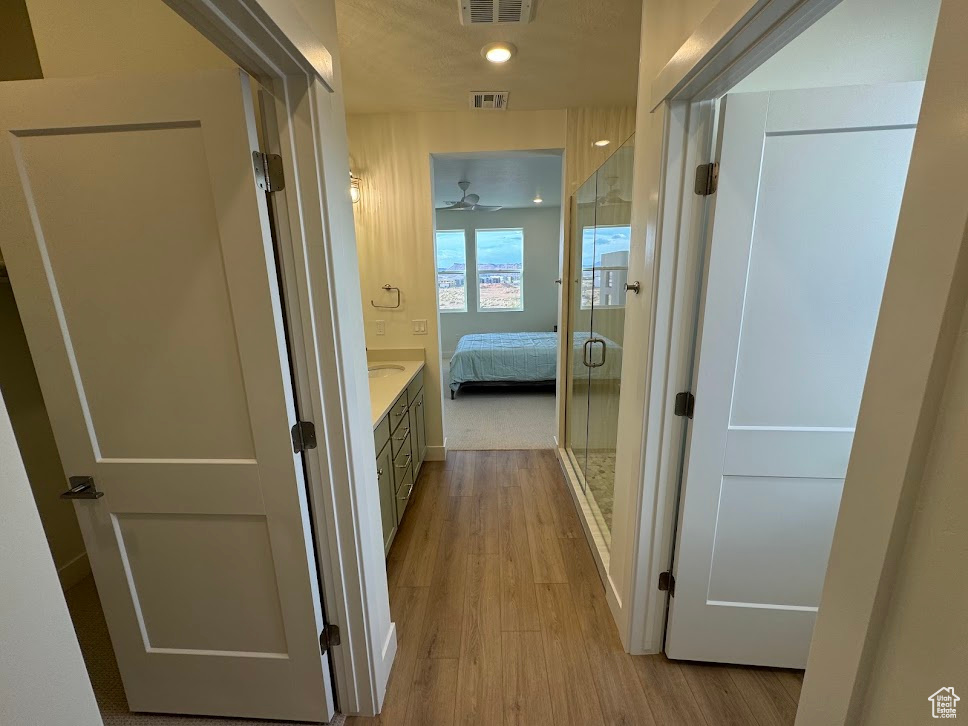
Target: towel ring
{"type": "Point", "coordinates": [389, 288]}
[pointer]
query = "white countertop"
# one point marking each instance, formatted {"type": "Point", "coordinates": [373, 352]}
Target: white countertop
{"type": "Point", "coordinates": [384, 391]}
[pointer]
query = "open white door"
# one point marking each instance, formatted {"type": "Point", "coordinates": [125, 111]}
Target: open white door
{"type": "Point", "coordinates": [810, 186]}
{"type": "Point", "coordinates": [139, 251]}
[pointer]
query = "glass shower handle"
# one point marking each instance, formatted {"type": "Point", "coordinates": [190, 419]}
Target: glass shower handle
{"type": "Point", "coordinates": [586, 361]}
{"type": "Point", "coordinates": [589, 343]}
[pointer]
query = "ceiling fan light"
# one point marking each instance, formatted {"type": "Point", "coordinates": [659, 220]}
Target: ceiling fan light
{"type": "Point", "coordinates": [498, 52]}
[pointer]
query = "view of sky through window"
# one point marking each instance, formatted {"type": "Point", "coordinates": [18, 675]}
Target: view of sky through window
{"type": "Point", "coordinates": [451, 270]}
{"type": "Point", "coordinates": [500, 263]}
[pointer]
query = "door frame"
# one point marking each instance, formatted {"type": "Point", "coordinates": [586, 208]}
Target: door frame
{"type": "Point", "coordinates": [305, 124]}
{"type": "Point", "coordinates": [916, 332]}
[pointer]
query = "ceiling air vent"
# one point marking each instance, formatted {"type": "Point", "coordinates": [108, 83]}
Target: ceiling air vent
{"type": "Point", "coordinates": [476, 12]}
{"type": "Point", "coordinates": [489, 100]}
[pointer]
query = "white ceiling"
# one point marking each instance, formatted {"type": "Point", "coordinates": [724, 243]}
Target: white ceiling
{"type": "Point", "coordinates": [509, 179]}
{"type": "Point", "coordinates": [414, 55]}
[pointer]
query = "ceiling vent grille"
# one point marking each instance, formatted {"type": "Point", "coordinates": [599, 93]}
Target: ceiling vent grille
{"type": "Point", "coordinates": [477, 12]}
{"type": "Point", "coordinates": [489, 100]}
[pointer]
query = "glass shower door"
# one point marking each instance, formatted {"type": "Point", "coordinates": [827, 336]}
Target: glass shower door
{"type": "Point", "coordinates": [582, 235]}
{"type": "Point", "coordinates": [612, 237]}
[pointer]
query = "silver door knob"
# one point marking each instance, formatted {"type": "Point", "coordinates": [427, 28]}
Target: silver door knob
{"type": "Point", "coordinates": [82, 487]}
{"type": "Point", "coordinates": [635, 287]}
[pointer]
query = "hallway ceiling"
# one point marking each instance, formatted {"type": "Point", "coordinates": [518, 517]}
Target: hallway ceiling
{"type": "Point", "coordinates": [511, 179]}
{"type": "Point", "coordinates": [414, 55]}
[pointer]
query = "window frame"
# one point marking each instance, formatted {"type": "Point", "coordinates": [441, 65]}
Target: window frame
{"type": "Point", "coordinates": [477, 269]}
{"type": "Point", "coordinates": [438, 273]}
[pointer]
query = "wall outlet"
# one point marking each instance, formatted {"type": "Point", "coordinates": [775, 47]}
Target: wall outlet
{"type": "Point", "coordinates": [419, 327]}
{"type": "Point", "coordinates": [381, 327]}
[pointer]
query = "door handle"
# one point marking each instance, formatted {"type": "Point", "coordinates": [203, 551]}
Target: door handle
{"type": "Point", "coordinates": [82, 487]}
{"type": "Point", "coordinates": [593, 341]}
{"type": "Point", "coordinates": [584, 354]}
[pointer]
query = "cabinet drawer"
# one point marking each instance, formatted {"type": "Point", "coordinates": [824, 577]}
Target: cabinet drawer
{"type": "Point", "coordinates": [403, 457]}
{"type": "Point", "coordinates": [381, 434]}
{"type": "Point", "coordinates": [414, 387]}
{"type": "Point", "coordinates": [398, 411]}
{"type": "Point", "coordinates": [400, 441]}
{"type": "Point", "coordinates": [405, 488]}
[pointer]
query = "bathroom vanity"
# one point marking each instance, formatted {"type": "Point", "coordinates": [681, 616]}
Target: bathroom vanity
{"type": "Point", "coordinates": [399, 435]}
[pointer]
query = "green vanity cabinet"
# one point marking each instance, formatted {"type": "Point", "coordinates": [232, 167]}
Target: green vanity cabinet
{"type": "Point", "coordinates": [384, 477]}
{"type": "Point", "coordinates": [418, 432]}
{"type": "Point", "coordinates": [400, 439]}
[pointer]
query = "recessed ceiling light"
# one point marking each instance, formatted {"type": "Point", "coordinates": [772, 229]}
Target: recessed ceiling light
{"type": "Point", "coordinates": [602, 142]}
{"type": "Point", "coordinates": [498, 52]}
{"type": "Point", "coordinates": [538, 199]}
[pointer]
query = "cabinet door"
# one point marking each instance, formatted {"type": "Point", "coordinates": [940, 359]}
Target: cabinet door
{"type": "Point", "coordinates": [418, 433]}
{"type": "Point", "coordinates": [388, 512]}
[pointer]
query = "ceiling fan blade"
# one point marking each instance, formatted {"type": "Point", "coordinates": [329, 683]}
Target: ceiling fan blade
{"type": "Point", "coordinates": [453, 206]}
{"type": "Point", "coordinates": [486, 208]}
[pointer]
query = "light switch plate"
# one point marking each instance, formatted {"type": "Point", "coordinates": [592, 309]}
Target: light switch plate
{"type": "Point", "coordinates": [381, 327]}
{"type": "Point", "coordinates": [419, 327]}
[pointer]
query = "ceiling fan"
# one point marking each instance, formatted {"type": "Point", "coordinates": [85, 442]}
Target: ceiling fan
{"type": "Point", "coordinates": [468, 202]}
{"type": "Point", "coordinates": [612, 196]}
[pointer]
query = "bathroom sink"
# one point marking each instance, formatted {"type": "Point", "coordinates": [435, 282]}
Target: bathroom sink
{"type": "Point", "coordinates": [383, 370]}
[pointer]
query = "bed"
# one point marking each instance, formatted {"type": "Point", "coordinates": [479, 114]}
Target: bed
{"type": "Point", "coordinates": [504, 358]}
{"type": "Point", "coordinates": [520, 359]}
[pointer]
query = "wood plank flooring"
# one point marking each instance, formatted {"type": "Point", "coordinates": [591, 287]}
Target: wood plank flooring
{"type": "Point", "coordinates": [502, 619]}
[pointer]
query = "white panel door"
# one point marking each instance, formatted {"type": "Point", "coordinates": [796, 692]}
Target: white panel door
{"type": "Point", "coordinates": [140, 255]}
{"type": "Point", "coordinates": [810, 187]}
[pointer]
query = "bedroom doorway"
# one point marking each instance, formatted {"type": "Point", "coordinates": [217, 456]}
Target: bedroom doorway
{"type": "Point", "coordinates": [599, 238]}
{"type": "Point", "coordinates": [497, 241]}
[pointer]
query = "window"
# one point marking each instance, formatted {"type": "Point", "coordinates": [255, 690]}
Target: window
{"type": "Point", "coordinates": [500, 267]}
{"type": "Point", "coordinates": [451, 270]}
{"type": "Point", "coordinates": [604, 265]}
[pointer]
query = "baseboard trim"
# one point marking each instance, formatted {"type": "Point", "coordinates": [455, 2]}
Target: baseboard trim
{"type": "Point", "coordinates": [73, 571]}
{"type": "Point", "coordinates": [436, 453]}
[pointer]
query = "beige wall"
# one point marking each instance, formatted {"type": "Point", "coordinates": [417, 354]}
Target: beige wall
{"type": "Point", "coordinates": [923, 645]}
{"type": "Point", "coordinates": [858, 42]}
{"type": "Point", "coordinates": [110, 37]}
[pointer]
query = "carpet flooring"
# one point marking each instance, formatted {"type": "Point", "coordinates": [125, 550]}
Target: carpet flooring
{"type": "Point", "coordinates": [92, 634]}
{"type": "Point", "coordinates": [488, 419]}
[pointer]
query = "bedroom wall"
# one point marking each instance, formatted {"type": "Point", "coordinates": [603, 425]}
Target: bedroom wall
{"type": "Point", "coordinates": [542, 238]}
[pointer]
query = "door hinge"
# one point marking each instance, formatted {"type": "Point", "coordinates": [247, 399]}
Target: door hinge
{"type": "Point", "coordinates": [328, 638]}
{"type": "Point", "coordinates": [303, 436]}
{"type": "Point", "coordinates": [667, 582]}
{"type": "Point", "coordinates": [707, 178]}
{"type": "Point", "coordinates": [268, 171]}
{"type": "Point", "coordinates": [685, 404]}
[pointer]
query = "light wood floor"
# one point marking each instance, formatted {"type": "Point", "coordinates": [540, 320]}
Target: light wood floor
{"type": "Point", "coordinates": [502, 619]}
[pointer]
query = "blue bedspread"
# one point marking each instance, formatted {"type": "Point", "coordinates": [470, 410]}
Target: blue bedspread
{"type": "Point", "coordinates": [504, 358]}
{"type": "Point", "coordinates": [526, 358]}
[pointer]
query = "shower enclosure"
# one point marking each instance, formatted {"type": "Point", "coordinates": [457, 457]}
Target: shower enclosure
{"type": "Point", "coordinates": [599, 239]}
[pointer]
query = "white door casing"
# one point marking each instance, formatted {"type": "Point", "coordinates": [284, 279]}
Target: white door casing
{"type": "Point", "coordinates": [809, 192]}
{"type": "Point", "coordinates": [140, 255]}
